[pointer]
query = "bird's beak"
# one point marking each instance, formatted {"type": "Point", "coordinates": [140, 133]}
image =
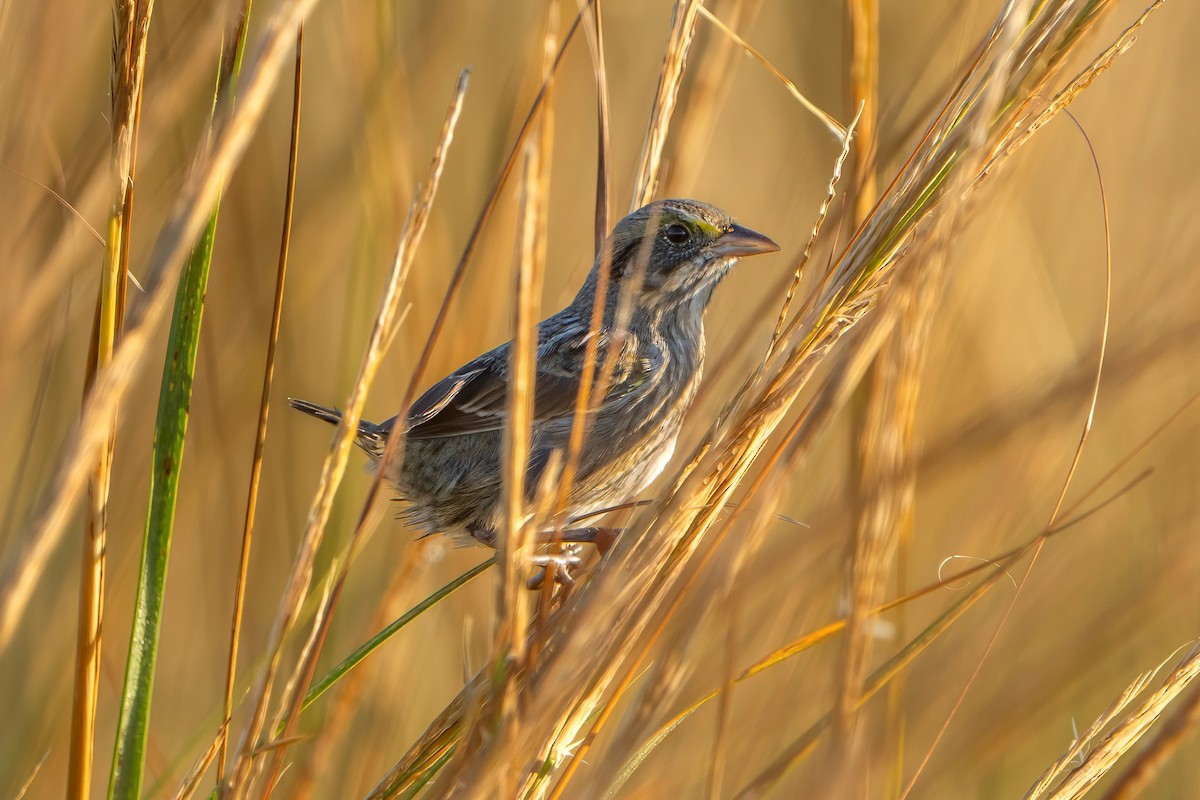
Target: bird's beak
{"type": "Point", "coordinates": [739, 242]}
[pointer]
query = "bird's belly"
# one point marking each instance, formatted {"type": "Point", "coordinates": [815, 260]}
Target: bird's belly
{"type": "Point", "coordinates": [616, 485]}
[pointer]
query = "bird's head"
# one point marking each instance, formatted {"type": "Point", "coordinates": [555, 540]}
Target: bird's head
{"type": "Point", "coordinates": [673, 253]}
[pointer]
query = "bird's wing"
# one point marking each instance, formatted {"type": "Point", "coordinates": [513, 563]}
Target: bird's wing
{"type": "Point", "coordinates": [474, 398]}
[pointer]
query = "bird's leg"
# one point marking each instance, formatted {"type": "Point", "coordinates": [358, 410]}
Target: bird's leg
{"type": "Point", "coordinates": [602, 538]}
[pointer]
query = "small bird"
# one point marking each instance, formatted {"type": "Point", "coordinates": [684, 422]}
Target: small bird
{"type": "Point", "coordinates": [667, 257]}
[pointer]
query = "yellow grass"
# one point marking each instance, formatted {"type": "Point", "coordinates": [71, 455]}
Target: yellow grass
{"type": "Point", "coordinates": [735, 583]}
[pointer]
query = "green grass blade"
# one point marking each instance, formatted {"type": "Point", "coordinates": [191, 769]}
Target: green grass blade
{"type": "Point", "coordinates": [170, 428]}
{"type": "Point", "coordinates": [354, 659]}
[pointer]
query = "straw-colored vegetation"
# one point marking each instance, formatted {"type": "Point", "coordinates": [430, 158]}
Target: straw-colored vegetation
{"type": "Point", "coordinates": [932, 530]}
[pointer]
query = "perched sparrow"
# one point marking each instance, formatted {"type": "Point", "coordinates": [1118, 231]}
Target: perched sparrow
{"type": "Point", "coordinates": [670, 255]}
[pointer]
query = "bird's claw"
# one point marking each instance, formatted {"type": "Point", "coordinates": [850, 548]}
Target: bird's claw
{"type": "Point", "coordinates": [562, 563]}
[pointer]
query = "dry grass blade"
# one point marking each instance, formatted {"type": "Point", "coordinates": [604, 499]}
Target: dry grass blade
{"type": "Point", "coordinates": [26, 560]}
{"type": "Point", "coordinates": [815, 234]}
{"type": "Point", "coordinates": [835, 127]}
{"type": "Point", "coordinates": [130, 33]}
{"type": "Point", "coordinates": [33, 773]}
{"type": "Point", "coordinates": [484, 215]}
{"type": "Point", "coordinates": [191, 781]}
{"type": "Point", "coordinates": [683, 29]}
{"type": "Point", "coordinates": [510, 641]}
{"type": "Point", "coordinates": [590, 13]}
{"type": "Point", "coordinates": [382, 332]}
{"type": "Point", "coordinates": [294, 690]}
{"type": "Point", "coordinates": [1134, 780]}
{"type": "Point", "coordinates": [260, 437]}
{"type": "Point", "coordinates": [1104, 756]}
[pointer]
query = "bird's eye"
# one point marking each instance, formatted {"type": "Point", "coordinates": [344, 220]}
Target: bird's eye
{"type": "Point", "coordinates": [677, 234]}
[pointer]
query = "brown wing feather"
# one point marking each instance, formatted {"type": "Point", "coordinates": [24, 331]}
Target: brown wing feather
{"type": "Point", "coordinates": [475, 398]}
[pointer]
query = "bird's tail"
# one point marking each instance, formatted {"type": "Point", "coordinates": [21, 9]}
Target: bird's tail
{"type": "Point", "coordinates": [370, 437]}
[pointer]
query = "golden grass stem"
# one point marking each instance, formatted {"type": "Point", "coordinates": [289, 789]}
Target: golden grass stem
{"type": "Point", "coordinates": [594, 29]}
{"type": "Point", "coordinates": [131, 30]}
{"type": "Point", "coordinates": [883, 418]}
{"type": "Point", "coordinates": [864, 92]}
{"type": "Point", "coordinates": [509, 651]}
{"type": "Point", "coordinates": [260, 438]}
{"type": "Point", "coordinates": [531, 265]}
{"type": "Point", "coordinates": [683, 30]}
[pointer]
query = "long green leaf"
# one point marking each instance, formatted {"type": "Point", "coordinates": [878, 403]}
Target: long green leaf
{"type": "Point", "coordinates": [354, 659]}
{"type": "Point", "coordinates": [174, 399]}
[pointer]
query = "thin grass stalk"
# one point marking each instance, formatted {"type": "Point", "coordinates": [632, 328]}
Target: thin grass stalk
{"type": "Point", "coordinates": [712, 83]}
{"type": "Point", "coordinates": [524, 520]}
{"type": "Point", "coordinates": [23, 789]}
{"type": "Point", "coordinates": [883, 422]}
{"type": "Point", "coordinates": [382, 332]}
{"type": "Point", "coordinates": [300, 677]}
{"type": "Point", "coordinates": [130, 35]}
{"type": "Point", "coordinates": [683, 30]}
{"type": "Point", "coordinates": [509, 648]}
{"type": "Point", "coordinates": [864, 91]}
{"type": "Point", "coordinates": [834, 127]}
{"type": "Point", "coordinates": [26, 560]}
{"type": "Point", "coordinates": [473, 240]}
{"type": "Point", "coordinates": [510, 651]}
{"type": "Point", "coordinates": [260, 438]}
{"type": "Point", "coordinates": [594, 29]}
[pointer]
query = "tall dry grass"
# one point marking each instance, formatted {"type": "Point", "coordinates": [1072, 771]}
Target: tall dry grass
{"type": "Point", "coordinates": [932, 531]}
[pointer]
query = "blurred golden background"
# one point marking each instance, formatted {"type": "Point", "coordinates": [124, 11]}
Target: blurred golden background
{"type": "Point", "coordinates": [1004, 392]}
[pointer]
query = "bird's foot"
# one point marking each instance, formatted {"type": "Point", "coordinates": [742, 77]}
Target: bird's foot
{"type": "Point", "coordinates": [559, 564]}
